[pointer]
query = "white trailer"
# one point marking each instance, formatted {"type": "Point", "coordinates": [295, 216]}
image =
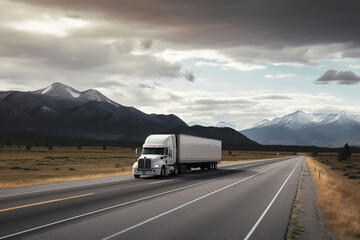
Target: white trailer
{"type": "Point", "coordinates": [164, 154]}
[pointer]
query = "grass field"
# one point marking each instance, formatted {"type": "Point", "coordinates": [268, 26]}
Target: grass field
{"type": "Point", "coordinates": [21, 167]}
{"type": "Point", "coordinates": [338, 192]}
{"type": "Point", "coordinates": [349, 168]}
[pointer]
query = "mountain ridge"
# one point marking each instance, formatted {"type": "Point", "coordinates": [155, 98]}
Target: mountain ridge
{"type": "Point", "coordinates": [60, 111]}
{"type": "Point", "coordinates": [299, 128]}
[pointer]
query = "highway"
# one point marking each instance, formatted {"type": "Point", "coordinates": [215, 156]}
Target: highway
{"type": "Point", "coordinates": [246, 200]}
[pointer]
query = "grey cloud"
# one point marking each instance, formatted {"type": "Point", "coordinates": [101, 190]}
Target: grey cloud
{"type": "Point", "coordinates": [70, 15]}
{"type": "Point", "coordinates": [110, 83]}
{"type": "Point", "coordinates": [276, 97]}
{"type": "Point", "coordinates": [142, 85]}
{"type": "Point", "coordinates": [146, 43]}
{"type": "Point", "coordinates": [221, 105]}
{"type": "Point", "coordinates": [219, 24]}
{"type": "Point", "coordinates": [340, 77]}
{"type": "Point", "coordinates": [189, 76]}
{"type": "Point", "coordinates": [50, 58]}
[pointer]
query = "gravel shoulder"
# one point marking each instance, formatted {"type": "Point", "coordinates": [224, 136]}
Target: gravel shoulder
{"type": "Point", "coordinates": [306, 220]}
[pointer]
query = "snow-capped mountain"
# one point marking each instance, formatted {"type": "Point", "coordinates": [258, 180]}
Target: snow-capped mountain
{"type": "Point", "coordinates": [60, 110]}
{"type": "Point", "coordinates": [199, 123]}
{"type": "Point", "coordinates": [221, 124]}
{"type": "Point", "coordinates": [299, 128]}
{"type": "Point", "coordinates": [295, 120]}
{"type": "Point", "coordinates": [63, 92]}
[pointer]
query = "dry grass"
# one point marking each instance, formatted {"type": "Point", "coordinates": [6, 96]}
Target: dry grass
{"type": "Point", "coordinates": [349, 168]}
{"type": "Point", "coordinates": [340, 199]}
{"type": "Point", "coordinates": [237, 156]}
{"type": "Point", "coordinates": [21, 167]}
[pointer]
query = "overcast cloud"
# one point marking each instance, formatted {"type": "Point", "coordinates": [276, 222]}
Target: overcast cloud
{"type": "Point", "coordinates": [198, 59]}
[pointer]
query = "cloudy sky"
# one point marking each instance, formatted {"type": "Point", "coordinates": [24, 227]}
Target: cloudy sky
{"type": "Point", "coordinates": [209, 61]}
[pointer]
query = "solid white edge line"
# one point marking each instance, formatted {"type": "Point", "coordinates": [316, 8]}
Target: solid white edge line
{"type": "Point", "coordinates": [270, 204]}
{"type": "Point", "coordinates": [188, 203]}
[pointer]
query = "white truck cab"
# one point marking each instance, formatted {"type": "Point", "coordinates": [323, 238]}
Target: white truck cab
{"type": "Point", "coordinates": [158, 156]}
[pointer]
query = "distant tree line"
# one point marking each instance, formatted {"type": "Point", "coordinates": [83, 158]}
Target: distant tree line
{"type": "Point", "coordinates": [33, 140]}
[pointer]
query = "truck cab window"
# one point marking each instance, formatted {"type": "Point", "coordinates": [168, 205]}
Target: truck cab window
{"type": "Point", "coordinates": [154, 151]}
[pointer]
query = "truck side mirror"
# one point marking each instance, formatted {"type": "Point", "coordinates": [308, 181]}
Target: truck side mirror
{"type": "Point", "coordinates": [137, 152]}
{"type": "Point", "coordinates": [170, 153]}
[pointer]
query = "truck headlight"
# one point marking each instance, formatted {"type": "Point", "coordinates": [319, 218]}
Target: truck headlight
{"type": "Point", "coordinates": [135, 165]}
{"type": "Point", "coordinates": [157, 165]}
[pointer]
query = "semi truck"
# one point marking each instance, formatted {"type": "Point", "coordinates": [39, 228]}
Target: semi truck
{"type": "Point", "coordinates": [171, 154]}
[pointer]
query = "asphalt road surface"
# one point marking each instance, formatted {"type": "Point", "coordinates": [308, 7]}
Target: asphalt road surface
{"type": "Point", "coordinates": [249, 200]}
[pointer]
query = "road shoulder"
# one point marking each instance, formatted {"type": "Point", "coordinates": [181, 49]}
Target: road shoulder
{"type": "Point", "coordinates": [306, 221]}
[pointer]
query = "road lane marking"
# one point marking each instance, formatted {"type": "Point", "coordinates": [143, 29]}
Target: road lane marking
{"type": "Point", "coordinates": [161, 181]}
{"type": "Point", "coordinates": [113, 207]}
{"type": "Point", "coordinates": [270, 204]}
{"type": "Point", "coordinates": [45, 202]}
{"type": "Point", "coordinates": [188, 203]}
{"type": "Point", "coordinates": [108, 208]}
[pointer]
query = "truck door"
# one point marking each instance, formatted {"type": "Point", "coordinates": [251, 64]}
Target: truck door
{"type": "Point", "coordinates": [170, 156]}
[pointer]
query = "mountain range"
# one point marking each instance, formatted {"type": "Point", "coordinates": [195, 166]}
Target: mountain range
{"type": "Point", "coordinates": [62, 111]}
{"type": "Point", "coordinates": [299, 128]}
{"type": "Point", "coordinates": [221, 124]}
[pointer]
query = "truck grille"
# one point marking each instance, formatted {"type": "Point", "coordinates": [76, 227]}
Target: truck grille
{"type": "Point", "coordinates": [144, 164]}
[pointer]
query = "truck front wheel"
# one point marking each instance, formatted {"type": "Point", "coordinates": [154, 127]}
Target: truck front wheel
{"type": "Point", "coordinates": [162, 173]}
{"type": "Point", "coordinates": [136, 176]}
{"type": "Point", "coordinates": [175, 172]}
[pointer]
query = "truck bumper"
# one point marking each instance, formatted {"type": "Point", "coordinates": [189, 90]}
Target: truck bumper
{"type": "Point", "coordinates": [153, 172]}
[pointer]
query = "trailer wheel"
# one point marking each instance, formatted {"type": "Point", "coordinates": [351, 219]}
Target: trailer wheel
{"type": "Point", "coordinates": [183, 168]}
{"type": "Point", "coordinates": [136, 176]}
{"type": "Point", "coordinates": [162, 173]}
{"type": "Point", "coordinates": [215, 166]}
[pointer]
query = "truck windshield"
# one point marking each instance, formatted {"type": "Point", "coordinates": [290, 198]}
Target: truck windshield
{"type": "Point", "coordinates": [155, 151]}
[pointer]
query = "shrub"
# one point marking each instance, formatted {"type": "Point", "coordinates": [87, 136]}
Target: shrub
{"type": "Point", "coordinates": [79, 147]}
{"type": "Point", "coordinates": [344, 153]}
{"type": "Point", "coordinates": [314, 154]}
{"type": "Point", "coordinates": [50, 147]}
{"type": "Point", "coordinates": [347, 150]}
{"type": "Point", "coordinates": [104, 147]}
{"type": "Point", "coordinates": [353, 176]}
{"type": "Point", "coordinates": [28, 147]}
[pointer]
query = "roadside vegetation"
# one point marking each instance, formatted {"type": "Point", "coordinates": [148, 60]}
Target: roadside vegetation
{"type": "Point", "coordinates": [21, 166]}
{"type": "Point", "coordinates": [25, 165]}
{"type": "Point", "coordinates": [337, 180]}
{"type": "Point", "coordinates": [236, 156]}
